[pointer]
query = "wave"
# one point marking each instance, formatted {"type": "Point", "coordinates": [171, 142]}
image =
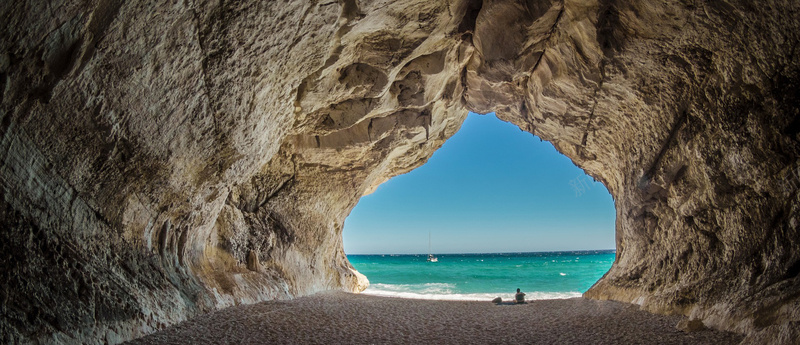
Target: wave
{"type": "Point", "coordinates": [426, 288]}
{"type": "Point", "coordinates": [444, 292]}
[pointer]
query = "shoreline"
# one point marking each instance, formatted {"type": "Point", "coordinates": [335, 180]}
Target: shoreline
{"type": "Point", "coordinates": [474, 297]}
{"type": "Point", "coordinates": [347, 318]}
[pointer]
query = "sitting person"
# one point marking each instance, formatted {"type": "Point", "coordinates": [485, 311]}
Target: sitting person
{"type": "Point", "coordinates": [520, 297]}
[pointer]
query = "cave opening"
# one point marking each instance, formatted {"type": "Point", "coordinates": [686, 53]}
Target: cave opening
{"type": "Point", "coordinates": [499, 208]}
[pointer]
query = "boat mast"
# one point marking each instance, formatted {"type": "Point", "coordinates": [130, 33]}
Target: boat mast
{"type": "Point", "coordinates": [431, 258]}
{"type": "Point", "coordinates": [429, 243]}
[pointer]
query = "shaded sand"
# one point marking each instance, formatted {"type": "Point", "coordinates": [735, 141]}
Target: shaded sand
{"type": "Point", "coordinates": [343, 318]}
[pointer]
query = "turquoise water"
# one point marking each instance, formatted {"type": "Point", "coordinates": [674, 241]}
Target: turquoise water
{"type": "Point", "coordinates": [484, 276]}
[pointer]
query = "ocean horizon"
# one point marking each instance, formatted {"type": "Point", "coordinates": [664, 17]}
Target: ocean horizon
{"type": "Point", "coordinates": [484, 276]}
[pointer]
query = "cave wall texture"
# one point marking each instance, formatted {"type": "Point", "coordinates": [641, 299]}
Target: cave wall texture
{"type": "Point", "coordinates": [163, 159]}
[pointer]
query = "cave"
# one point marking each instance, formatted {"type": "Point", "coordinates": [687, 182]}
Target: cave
{"type": "Point", "coordinates": [162, 160]}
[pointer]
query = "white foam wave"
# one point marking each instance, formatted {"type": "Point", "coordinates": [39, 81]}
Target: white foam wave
{"type": "Point", "coordinates": [442, 291]}
{"type": "Point", "coordinates": [426, 288]}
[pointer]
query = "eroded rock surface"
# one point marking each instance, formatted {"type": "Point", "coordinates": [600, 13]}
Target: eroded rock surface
{"type": "Point", "coordinates": [164, 159]}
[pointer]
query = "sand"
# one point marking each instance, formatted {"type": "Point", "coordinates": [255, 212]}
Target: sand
{"type": "Point", "coordinates": [343, 318]}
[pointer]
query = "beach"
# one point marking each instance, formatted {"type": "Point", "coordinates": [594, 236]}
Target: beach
{"type": "Point", "coordinates": [345, 318]}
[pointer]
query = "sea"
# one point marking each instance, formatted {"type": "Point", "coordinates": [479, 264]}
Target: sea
{"type": "Point", "coordinates": [481, 277]}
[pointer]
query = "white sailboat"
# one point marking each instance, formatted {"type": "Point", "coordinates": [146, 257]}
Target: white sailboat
{"type": "Point", "coordinates": [431, 258]}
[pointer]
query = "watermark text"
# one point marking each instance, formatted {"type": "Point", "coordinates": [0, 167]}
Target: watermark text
{"type": "Point", "coordinates": [581, 185]}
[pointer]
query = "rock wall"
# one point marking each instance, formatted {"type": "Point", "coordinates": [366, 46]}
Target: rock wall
{"type": "Point", "coordinates": [164, 159]}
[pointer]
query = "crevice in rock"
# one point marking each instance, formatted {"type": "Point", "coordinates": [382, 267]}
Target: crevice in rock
{"type": "Point", "coordinates": [211, 53]}
{"type": "Point", "coordinates": [287, 183]}
{"type": "Point", "coordinates": [470, 18]}
{"type": "Point", "coordinates": [610, 34]}
{"type": "Point", "coordinates": [648, 174]}
{"type": "Point", "coordinates": [544, 42]}
{"type": "Point", "coordinates": [793, 271]}
{"type": "Point", "coordinates": [594, 106]}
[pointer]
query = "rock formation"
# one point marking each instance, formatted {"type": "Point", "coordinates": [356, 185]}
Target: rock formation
{"type": "Point", "coordinates": [162, 159]}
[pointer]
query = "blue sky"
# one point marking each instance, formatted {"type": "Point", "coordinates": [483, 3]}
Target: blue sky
{"type": "Point", "coordinates": [491, 188]}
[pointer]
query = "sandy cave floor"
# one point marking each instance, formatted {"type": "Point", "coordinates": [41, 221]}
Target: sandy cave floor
{"type": "Point", "coordinates": [343, 318]}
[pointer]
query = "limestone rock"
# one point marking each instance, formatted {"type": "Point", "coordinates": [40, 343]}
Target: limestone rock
{"type": "Point", "coordinates": [690, 325]}
{"type": "Point", "coordinates": [161, 160]}
{"type": "Point", "coordinates": [785, 333]}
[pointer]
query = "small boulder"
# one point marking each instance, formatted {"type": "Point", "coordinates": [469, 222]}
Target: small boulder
{"type": "Point", "coordinates": [497, 300]}
{"type": "Point", "coordinates": [692, 325]}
